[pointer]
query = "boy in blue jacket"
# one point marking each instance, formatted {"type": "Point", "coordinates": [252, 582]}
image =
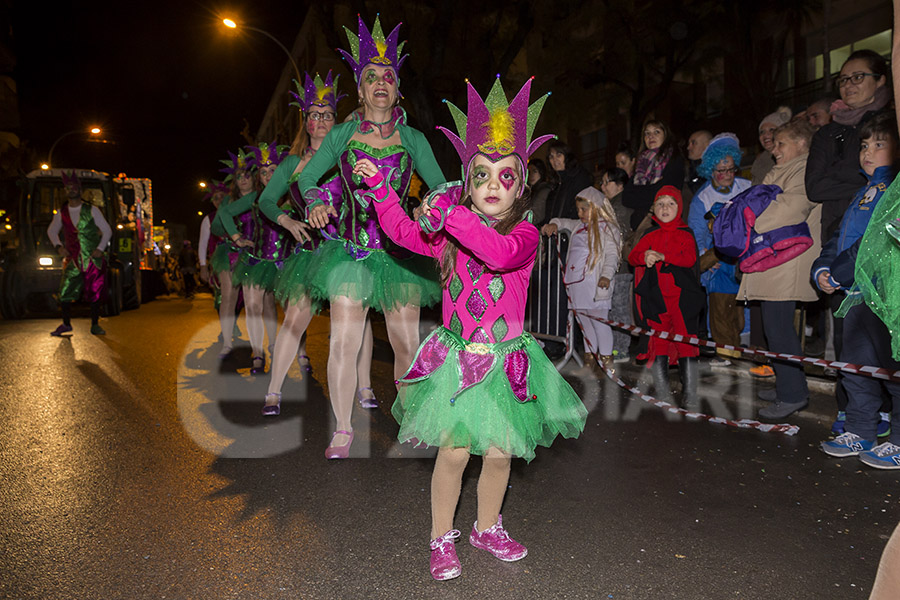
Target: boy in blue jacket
{"type": "Point", "coordinates": [866, 340]}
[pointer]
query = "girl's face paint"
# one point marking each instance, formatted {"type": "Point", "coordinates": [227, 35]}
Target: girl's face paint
{"type": "Point", "coordinates": [378, 87]}
{"type": "Point", "coordinates": [494, 185]}
{"type": "Point", "coordinates": [265, 174]}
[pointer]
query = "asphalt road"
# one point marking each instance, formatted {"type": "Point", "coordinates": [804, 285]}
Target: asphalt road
{"type": "Point", "coordinates": [133, 466]}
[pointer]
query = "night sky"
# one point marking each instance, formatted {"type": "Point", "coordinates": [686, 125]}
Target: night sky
{"type": "Point", "coordinates": [168, 84]}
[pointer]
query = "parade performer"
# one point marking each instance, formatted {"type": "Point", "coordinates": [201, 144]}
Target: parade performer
{"type": "Point", "coordinates": [259, 264]}
{"type": "Point", "coordinates": [225, 257]}
{"type": "Point", "coordinates": [591, 264]}
{"type": "Point", "coordinates": [363, 269]}
{"type": "Point", "coordinates": [668, 294]}
{"type": "Point", "coordinates": [317, 101]}
{"type": "Point", "coordinates": [208, 242]}
{"type": "Point", "coordinates": [479, 384]}
{"type": "Point", "coordinates": [85, 237]}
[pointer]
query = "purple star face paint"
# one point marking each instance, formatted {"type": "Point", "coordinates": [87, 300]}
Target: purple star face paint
{"type": "Point", "coordinates": [494, 185]}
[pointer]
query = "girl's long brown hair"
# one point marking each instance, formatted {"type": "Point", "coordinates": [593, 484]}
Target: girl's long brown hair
{"type": "Point", "coordinates": [503, 226]}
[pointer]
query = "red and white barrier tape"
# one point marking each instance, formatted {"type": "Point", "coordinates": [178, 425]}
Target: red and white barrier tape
{"type": "Point", "coordinates": [784, 428]}
{"type": "Point", "coordinates": [868, 371]}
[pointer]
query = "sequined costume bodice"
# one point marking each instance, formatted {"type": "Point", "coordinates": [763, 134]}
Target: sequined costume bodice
{"type": "Point", "coordinates": [358, 224]}
{"type": "Point", "coordinates": [484, 301]}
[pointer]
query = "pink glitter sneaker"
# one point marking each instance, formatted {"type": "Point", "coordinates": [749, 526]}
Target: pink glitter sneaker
{"type": "Point", "coordinates": [496, 540]}
{"type": "Point", "coordinates": [444, 562]}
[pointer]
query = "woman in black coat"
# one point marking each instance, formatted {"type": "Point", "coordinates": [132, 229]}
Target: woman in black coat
{"type": "Point", "coordinates": [659, 163]}
{"type": "Point", "coordinates": [832, 171]}
{"type": "Point", "coordinates": [572, 179]}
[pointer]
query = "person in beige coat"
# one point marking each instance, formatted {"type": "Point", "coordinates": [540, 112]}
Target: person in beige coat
{"type": "Point", "coordinates": [780, 289]}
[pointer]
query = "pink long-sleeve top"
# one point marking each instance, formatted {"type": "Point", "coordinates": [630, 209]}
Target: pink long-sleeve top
{"type": "Point", "coordinates": [484, 301]}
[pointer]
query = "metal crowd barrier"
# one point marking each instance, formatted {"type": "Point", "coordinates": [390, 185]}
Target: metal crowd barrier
{"type": "Point", "coordinates": [547, 316]}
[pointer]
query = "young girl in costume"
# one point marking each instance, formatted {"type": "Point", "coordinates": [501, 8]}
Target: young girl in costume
{"type": "Point", "coordinates": [225, 257]}
{"type": "Point", "coordinates": [317, 101]}
{"type": "Point", "coordinates": [668, 295]}
{"type": "Point", "coordinates": [362, 268]}
{"type": "Point", "coordinates": [260, 262]}
{"type": "Point", "coordinates": [591, 264]}
{"type": "Point", "coordinates": [479, 384]}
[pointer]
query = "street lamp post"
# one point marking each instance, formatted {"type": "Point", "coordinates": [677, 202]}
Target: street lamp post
{"type": "Point", "coordinates": [93, 131]}
{"type": "Point", "coordinates": [233, 25]}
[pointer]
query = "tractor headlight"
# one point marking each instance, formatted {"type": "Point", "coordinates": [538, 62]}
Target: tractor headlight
{"type": "Point", "coordinates": [45, 261]}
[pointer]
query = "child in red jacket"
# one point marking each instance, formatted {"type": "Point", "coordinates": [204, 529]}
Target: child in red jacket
{"type": "Point", "coordinates": [668, 295]}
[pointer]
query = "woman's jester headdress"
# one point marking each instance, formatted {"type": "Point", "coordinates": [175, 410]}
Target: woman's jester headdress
{"type": "Point", "coordinates": [234, 164]}
{"type": "Point", "coordinates": [373, 48]}
{"type": "Point", "coordinates": [495, 127]}
{"type": "Point", "coordinates": [316, 92]}
{"type": "Point", "coordinates": [265, 155]}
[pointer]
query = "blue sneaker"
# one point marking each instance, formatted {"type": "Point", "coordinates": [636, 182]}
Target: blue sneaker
{"type": "Point", "coordinates": [882, 456]}
{"type": "Point", "coordinates": [846, 444]}
{"type": "Point", "coordinates": [884, 425]}
{"type": "Point", "coordinates": [837, 428]}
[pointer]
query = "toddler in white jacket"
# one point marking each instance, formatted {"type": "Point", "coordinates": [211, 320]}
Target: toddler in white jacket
{"type": "Point", "coordinates": [595, 247]}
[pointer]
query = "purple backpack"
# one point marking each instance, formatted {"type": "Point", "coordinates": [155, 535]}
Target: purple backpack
{"type": "Point", "coordinates": [734, 235]}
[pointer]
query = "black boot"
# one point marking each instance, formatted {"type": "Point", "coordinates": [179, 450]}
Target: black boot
{"type": "Point", "coordinates": [690, 375]}
{"type": "Point", "coordinates": [660, 372]}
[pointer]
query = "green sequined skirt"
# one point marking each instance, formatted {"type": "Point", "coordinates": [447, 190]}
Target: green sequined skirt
{"type": "Point", "coordinates": [379, 281]}
{"type": "Point", "coordinates": [292, 283]}
{"type": "Point", "coordinates": [251, 272]}
{"type": "Point", "coordinates": [432, 411]}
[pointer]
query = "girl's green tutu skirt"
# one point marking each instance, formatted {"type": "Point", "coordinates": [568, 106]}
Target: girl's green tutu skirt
{"type": "Point", "coordinates": [379, 281]}
{"type": "Point", "coordinates": [292, 282]}
{"type": "Point", "coordinates": [477, 396]}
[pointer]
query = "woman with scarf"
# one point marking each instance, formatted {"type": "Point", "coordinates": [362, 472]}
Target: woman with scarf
{"type": "Point", "coordinates": [659, 163]}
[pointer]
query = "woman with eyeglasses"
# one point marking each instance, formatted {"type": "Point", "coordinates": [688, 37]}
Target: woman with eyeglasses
{"type": "Point", "coordinates": [832, 171]}
{"type": "Point", "coordinates": [833, 175]}
{"type": "Point", "coordinates": [719, 166]}
{"type": "Point", "coordinates": [281, 202]}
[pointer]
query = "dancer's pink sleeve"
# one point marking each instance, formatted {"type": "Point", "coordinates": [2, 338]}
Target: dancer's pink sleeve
{"type": "Point", "coordinates": [397, 224]}
{"type": "Point", "coordinates": [498, 252]}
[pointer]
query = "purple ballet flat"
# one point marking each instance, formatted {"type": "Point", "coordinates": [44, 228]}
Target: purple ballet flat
{"type": "Point", "coordinates": [272, 410]}
{"type": "Point", "coordinates": [61, 330]}
{"type": "Point", "coordinates": [260, 368]}
{"type": "Point", "coordinates": [366, 402]}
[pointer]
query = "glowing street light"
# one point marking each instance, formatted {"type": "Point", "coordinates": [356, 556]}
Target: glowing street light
{"type": "Point", "coordinates": [49, 163]}
{"type": "Point", "coordinates": [231, 24]}
{"type": "Point", "coordinates": [202, 185]}
{"type": "Point", "coordinates": [45, 166]}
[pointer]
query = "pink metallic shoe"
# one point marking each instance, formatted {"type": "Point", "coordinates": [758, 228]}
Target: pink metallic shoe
{"type": "Point", "coordinates": [339, 451]}
{"type": "Point", "coordinates": [444, 562]}
{"type": "Point", "coordinates": [366, 402]}
{"type": "Point", "coordinates": [496, 540]}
